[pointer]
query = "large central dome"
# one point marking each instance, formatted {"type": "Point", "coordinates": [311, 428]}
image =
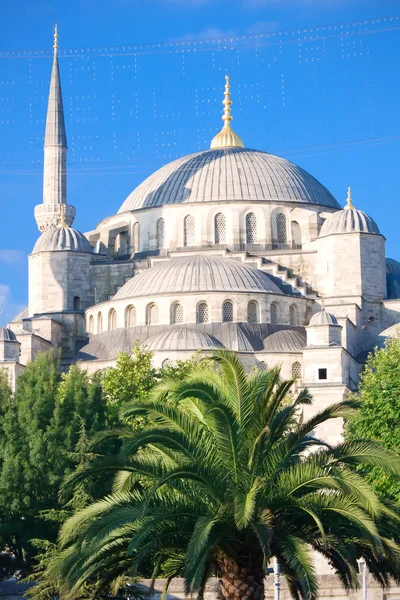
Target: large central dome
{"type": "Point", "coordinates": [229, 174]}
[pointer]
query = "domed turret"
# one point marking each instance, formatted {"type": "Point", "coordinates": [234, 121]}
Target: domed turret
{"type": "Point", "coordinates": [9, 346]}
{"type": "Point", "coordinates": [323, 318]}
{"type": "Point", "coordinates": [349, 220]}
{"type": "Point", "coordinates": [351, 256]}
{"type": "Point", "coordinates": [324, 330]}
{"type": "Point", "coordinates": [62, 238]}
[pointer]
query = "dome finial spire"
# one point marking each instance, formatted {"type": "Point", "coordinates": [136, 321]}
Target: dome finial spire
{"type": "Point", "coordinates": [55, 45]}
{"type": "Point", "coordinates": [63, 222]}
{"type": "Point", "coordinates": [349, 199]}
{"type": "Point", "coordinates": [227, 138]}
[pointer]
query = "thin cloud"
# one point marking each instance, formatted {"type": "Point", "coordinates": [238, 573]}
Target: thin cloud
{"type": "Point", "coordinates": [211, 33]}
{"type": "Point", "coordinates": [256, 4]}
{"type": "Point", "coordinates": [11, 257]}
{"type": "Point", "coordinates": [5, 293]}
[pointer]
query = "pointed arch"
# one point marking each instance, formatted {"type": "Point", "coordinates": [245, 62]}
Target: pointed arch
{"type": "Point", "coordinates": [112, 319]}
{"type": "Point", "coordinates": [293, 318]}
{"type": "Point", "coordinates": [177, 313]}
{"type": "Point", "coordinates": [274, 313]}
{"type": "Point", "coordinates": [202, 313]}
{"type": "Point", "coordinates": [251, 228]}
{"type": "Point", "coordinates": [220, 228]}
{"type": "Point", "coordinates": [227, 311]}
{"type": "Point", "coordinates": [253, 312]}
{"type": "Point", "coordinates": [281, 228]}
{"type": "Point", "coordinates": [130, 316]}
{"type": "Point", "coordinates": [99, 322]}
{"type": "Point", "coordinates": [296, 370]}
{"type": "Point", "coordinates": [91, 324]}
{"type": "Point", "coordinates": [152, 314]}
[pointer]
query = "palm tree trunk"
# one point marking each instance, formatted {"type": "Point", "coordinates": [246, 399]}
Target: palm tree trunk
{"type": "Point", "coordinates": [240, 583]}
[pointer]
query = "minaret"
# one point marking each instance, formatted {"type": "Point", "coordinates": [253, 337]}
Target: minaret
{"type": "Point", "coordinates": [48, 213]}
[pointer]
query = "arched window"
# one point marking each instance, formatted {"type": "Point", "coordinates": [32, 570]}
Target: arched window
{"type": "Point", "coordinates": [188, 231]}
{"type": "Point", "coordinates": [130, 319]}
{"type": "Point", "coordinates": [227, 311]}
{"type": "Point", "coordinates": [220, 228]}
{"type": "Point", "coordinates": [251, 228]}
{"type": "Point", "coordinates": [281, 228]}
{"type": "Point", "coordinates": [152, 314]}
{"type": "Point", "coordinates": [99, 323]}
{"type": "Point", "coordinates": [177, 313]}
{"type": "Point", "coordinates": [252, 312]}
{"type": "Point", "coordinates": [112, 319]}
{"type": "Point", "coordinates": [296, 234]}
{"type": "Point", "coordinates": [121, 244]}
{"type": "Point", "coordinates": [77, 303]}
{"type": "Point", "coordinates": [296, 370]}
{"type": "Point", "coordinates": [136, 237]}
{"type": "Point", "coordinates": [262, 366]}
{"type": "Point", "coordinates": [91, 324]}
{"type": "Point", "coordinates": [293, 314]}
{"type": "Point", "coordinates": [274, 313]}
{"type": "Point", "coordinates": [167, 363]}
{"type": "Point", "coordinates": [202, 313]}
{"type": "Point", "coordinates": [160, 233]}
{"type": "Point", "coordinates": [308, 314]}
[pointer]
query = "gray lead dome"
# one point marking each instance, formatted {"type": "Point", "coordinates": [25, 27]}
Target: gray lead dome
{"type": "Point", "coordinates": [349, 220]}
{"type": "Point", "coordinates": [197, 273]}
{"type": "Point", "coordinates": [229, 174]}
{"type": "Point", "coordinates": [62, 238]}
{"type": "Point", "coordinates": [182, 338]}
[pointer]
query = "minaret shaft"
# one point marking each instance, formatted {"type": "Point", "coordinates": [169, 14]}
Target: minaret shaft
{"type": "Point", "coordinates": [48, 213]}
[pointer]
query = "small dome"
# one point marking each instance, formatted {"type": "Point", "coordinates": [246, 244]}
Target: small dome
{"type": "Point", "coordinates": [392, 266]}
{"type": "Point", "coordinates": [62, 238]}
{"type": "Point", "coordinates": [286, 340]}
{"type": "Point", "coordinates": [197, 273]}
{"type": "Point", "coordinates": [348, 220]}
{"type": "Point", "coordinates": [6, 335]}
{"type": "Point", "coordinates": [182, 338]}
{"type": "Point", "coordinates": [323, 318]}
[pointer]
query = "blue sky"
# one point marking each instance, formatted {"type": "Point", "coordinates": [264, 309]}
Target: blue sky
{"type": "Point", "coordinates": [330, 105]}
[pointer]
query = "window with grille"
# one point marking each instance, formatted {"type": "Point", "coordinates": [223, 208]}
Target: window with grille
{"type": "Point", "coordinates": [293, 315]}
{"type": "Point", "coordinates": [281, 228]}
{"type": "Point", "coordinates": [188, 231]}
{"type": "Point", "coordinates": [152, 315]}
{"type": "Point", "coordinates": [167, 363]}
{"type": "Point", "coordinates": [202, 312]}
{"type": "Point", "coordinates": [91, 324]}
{"type": "Point", "coordinates": [227, 311]}
{"type": "Point", "coordinates": [308, 314]}
{"type": "Point", "coordinates": [251, 228]}
{"type": "Point", "coordinates": [160, 233]}
{"type": "Point", "coordinates": [220, 228]}
{"type": "Point", "coordinates": [136, 237]}
{"type": "Point", "coordinates": [296, 370]}
{"type": "Point", "coordinates": [99, 323]}
{"type": "Point", "coordinates": [252, 312]}
{"type": "Point", "coordinates": [262, 366]}
{"type": "Point", "coordinates": [274, 312]}
{"type": "Point", "coordinates": [177, 313]}
{"type": "Point", "coordinates": [112, 319]}
{"type": "Point", "coordinates": [131, 316]}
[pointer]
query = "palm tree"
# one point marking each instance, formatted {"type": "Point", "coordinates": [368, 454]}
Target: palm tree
{"type": "Point", "coordinates": [225, 476]}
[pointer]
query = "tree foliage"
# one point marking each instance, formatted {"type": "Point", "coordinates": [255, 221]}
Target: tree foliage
{"type": "Point", "coordinates": [223, 476]}
{"type": "Point", "coordinates": [379, 415]}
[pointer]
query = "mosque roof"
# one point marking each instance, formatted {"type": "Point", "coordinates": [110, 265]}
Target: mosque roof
{"type": "Point", "coordinates": [62, 238]}
{"type": "Point", "coordinates": [349, 220]}
{"type": "Point", "coordinates": [323, 318]}
{"type": "Point", "coordinates": [6, 335]}
{"type": "Point", "coordinates": [228, 174]}
{"type": "Point", "coordinates": [287, 340]}
{"type": "Point", "coordinates": [182, 338]}
{"type": "Point", "coordinates": [197, 273]}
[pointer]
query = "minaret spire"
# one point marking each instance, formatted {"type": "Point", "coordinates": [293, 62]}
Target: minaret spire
{"type": "Point", "coordinates": [349, 199]}
{"type": "Point", "coordinates": [48, 213]}
{"type": "Point", "coordinates": [227, 138]}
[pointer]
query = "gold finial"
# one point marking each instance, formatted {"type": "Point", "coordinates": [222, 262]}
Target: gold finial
{"type": "Point", "coordinates": [349, 199]}
{"type": "Point", "coordinates": [55, 45]}
{"type": "Point", "coordinates": [63, 222]}
{"type": "Point", "coordinates": [227, 138]}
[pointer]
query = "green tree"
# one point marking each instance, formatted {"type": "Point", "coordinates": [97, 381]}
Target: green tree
{"type": "Point", "coordinates": [379, 415]}
{"type": "Point", "coordinates": [41, 427]}
{"type": "Point", "coordinates": [224, 476]}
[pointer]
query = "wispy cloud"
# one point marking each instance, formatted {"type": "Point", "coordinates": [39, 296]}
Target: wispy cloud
{"type": "Point", "coordinates": [5, 293]}
{"type": "Point", "coordinates": [11, 257]}
{"type": "Point", "coordinates": [256, 4]}
{"type": "Point", "coordinates": [211, 32]}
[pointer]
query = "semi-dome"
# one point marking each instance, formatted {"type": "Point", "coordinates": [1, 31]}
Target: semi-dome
{"type": "Point", "coordinates": [197, 273]}
{"type": "Point", "coordinates": [182, 338]}
{"type": "Point", "coordinates": [6, 335]}
{"type": "Point", "coordinates": [62, 238]}
{"type": "Point", "coordinates": [348, 220]}
{"type": "Point", "coordinates": [287, 340]}
{"type": "Point", "coordinates": [229, 174]}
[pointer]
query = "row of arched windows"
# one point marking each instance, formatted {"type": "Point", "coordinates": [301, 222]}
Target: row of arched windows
{"type": "Point", "coordinates": [202, 316]}
{"type": "Point", "coordinates": [296, 369]}
{"type": "Point", "coordinates": [220, 231]}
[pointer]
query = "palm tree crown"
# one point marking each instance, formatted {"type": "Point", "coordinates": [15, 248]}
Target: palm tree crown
{"type": "Point", "coordinates": [224, 476]}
